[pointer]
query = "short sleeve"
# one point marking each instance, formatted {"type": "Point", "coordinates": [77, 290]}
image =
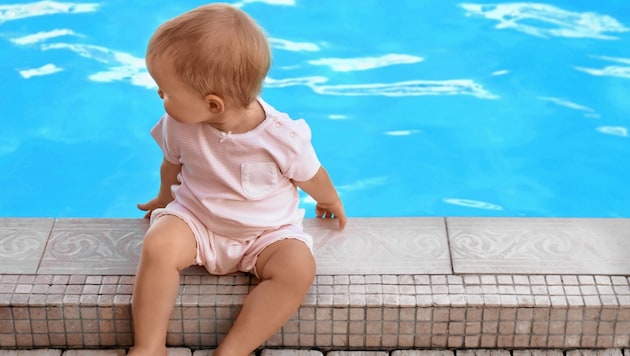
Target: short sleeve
{"type": "Point", "coordinates": [305, 163]}
{"type": "Point", "coordinates": [164, 135]}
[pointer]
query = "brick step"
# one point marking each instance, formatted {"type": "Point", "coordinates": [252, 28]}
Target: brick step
{"type": "Point", "coordinates": [341, 312]}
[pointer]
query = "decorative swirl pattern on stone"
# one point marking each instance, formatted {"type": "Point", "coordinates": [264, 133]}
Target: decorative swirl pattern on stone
{"type": "Point", "coordinates": [531, 245]}
{"type": "Point", "coordinates": [19, 244]}
{"type": "Point", "coordinates": [414, 244]}
{"type": "Point", "coordinates": [84, 246]}
{"type": "Point", "coordinates": [87, 246]}
{"type": "Point", "coordinates": [474, 245]}
{"type": "Point", "coordinates": [381, 247]}
{"type": "Point", "coordinates": [94, 246]}
{"type": "Point", "coordinates": [556, 244]}
{"type": "Point", "coordinates": [539, 245]}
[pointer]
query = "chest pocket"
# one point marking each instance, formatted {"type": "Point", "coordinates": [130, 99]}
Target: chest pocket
{"type": "Point", "coordinates": [259, 179]}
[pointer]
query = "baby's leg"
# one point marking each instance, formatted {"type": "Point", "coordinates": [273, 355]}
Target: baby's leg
{"type": "Point", "coordinates": [286, 269]}
{"type": "Point", "coordinates": [169, 246]}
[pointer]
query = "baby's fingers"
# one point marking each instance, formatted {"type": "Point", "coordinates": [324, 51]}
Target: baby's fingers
{"type": "Point", "coordinates": [148, 207]}
{"type": "Point", "coordinates": [342, 221]}
{"type": "Point", "coordinates": [319, 212]}
{"type": "Point", "coordinates": [324, 213]}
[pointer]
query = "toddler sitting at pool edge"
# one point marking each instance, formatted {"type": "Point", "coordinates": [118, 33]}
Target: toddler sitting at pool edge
{"type": "Point", "coordinates": [231, 166]}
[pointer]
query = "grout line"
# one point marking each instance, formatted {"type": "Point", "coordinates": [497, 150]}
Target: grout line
{"type": "Point", "coordinates": [41, 257]}
{"type": "Point", "coordinates": [448, 245]}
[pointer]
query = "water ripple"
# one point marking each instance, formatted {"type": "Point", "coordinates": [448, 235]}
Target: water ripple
{"type": "Point", "coordinates": [554, 21]}
{"type": "Point", "coordinates": [41, 8]}
{"type": "Point", "coordinates": [614, 130]}
{"type": "Point", "coordinates": [473, 204]}
{"type": "Point", "coordinates": [618, 71]}
{"type": "Point", "coordinates": [365, 63]}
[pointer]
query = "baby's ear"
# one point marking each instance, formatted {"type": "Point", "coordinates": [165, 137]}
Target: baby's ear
{"type": "Point", "coordinates": [215, 104]}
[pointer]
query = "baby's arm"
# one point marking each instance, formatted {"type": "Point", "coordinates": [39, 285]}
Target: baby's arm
{"type": "Point", "coordinates": [321, 189]}
{"type": "Point", "coordinates": [168, 178]}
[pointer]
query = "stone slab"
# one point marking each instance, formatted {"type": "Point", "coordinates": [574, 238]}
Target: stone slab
{"type": "Point", "coordinates": [423, 353]}
{"type": "Point", "coordinates": [118, 352]}
{"type": "Point", "coordinates": [22, 243]}
{"type": "Point", "coordinates": [210, 353]}
{"type": "Point", "coordinates": [357, 353]}
{"type": "Point", "coordinates": [203, 353]}
{"type": "Point", "coordinates": [537, 353]}
{"type": "Point", "coordinates": [482, 352]}
{"type": "Point", "coordinates": [587, 352]}
{"type": "Point", "coordinates": [380, 246]}
{"type": "Point", "coordinates": [287, 352]}
{"type": "Point", "coordinates": [540, 246]}
{"type": "Point", "coordinates": [94, 246]}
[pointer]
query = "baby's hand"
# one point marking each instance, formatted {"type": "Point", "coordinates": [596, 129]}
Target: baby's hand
{"type": "Point", "coordinates": [151, 205]}
{"type": "Point", "coordinates": [332, 211]}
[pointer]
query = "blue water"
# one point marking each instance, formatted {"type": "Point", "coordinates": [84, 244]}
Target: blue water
{"type": "Point", "coordinates": [418, 107]}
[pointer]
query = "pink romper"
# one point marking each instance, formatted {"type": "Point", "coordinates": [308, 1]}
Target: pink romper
{"type": "Point", "coordinates": [236, 192]}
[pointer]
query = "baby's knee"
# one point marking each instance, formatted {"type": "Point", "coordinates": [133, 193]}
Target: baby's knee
{"type": "Point", "coordinates": [301, 278]}
{"type": "Point", "coordinates": [301, 272]}
{"type": "Point", "coordinates": [169, 248]}
{"type": "Point", "coordinates": [289, 262]}
{"type": "Point", "coordinates": [156, 245]}
{"type": "Point", "coordinates": [307, 268]}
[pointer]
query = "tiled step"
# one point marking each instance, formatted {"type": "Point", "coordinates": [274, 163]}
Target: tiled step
{"type": "Point", "coordinates": [382, 285]}
{"type": "Point", "coordinates": [380, 312]}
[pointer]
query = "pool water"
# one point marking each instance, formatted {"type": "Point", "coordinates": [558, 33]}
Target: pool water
{"type": "Point", "coordinates": [418, 107]}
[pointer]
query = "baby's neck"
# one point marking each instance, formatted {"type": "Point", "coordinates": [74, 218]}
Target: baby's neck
{"type": "Point", "coordinates": [242, 120]}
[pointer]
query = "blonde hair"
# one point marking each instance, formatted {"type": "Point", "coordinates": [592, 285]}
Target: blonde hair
{"type": "Point", "coordinates": [215, 49]}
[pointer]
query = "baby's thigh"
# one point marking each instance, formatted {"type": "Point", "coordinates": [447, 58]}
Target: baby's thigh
{"type": "Point", "coordinates": [170, 240]}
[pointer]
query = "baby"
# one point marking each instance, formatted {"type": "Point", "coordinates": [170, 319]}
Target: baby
{"type": "Point", "coordinates": [228, 196]}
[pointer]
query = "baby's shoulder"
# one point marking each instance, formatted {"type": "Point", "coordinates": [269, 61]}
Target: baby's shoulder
{"type": "Point", "coordinates": [282, 127]}
{"type": "Point", "coordinates": [176, 129]}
